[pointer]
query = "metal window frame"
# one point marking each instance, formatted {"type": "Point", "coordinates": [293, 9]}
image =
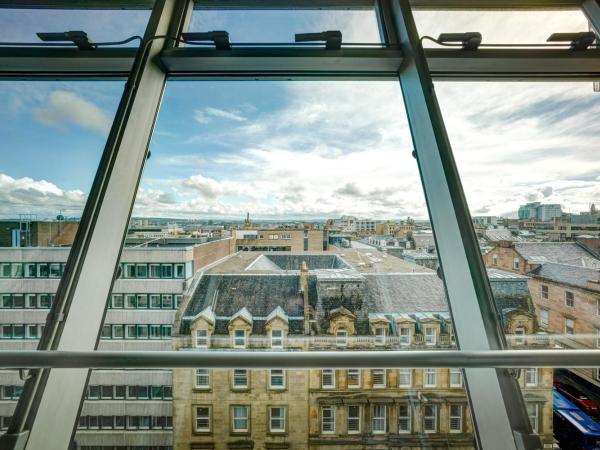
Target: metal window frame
{"type": "Point", "coordinates": [120, 174]}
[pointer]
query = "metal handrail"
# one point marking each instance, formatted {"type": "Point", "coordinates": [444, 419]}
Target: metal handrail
{"type": "Point", "coordinates": [191, 358]}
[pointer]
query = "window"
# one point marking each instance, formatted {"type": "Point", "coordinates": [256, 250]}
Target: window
{"type": "Point", "coordinates": [353, 377]}
{"type": "Point", "coordinates": [569, 326]}
{"type": "Point", "coordinates": [327, 378]}
{"type": "Point", "coordinates": [240, 378]}
{"type": "Point", "coordinates": [378, 378]}
{"type": "Point", "coordinates": [456, 418]}
{"type": "Point", "coordinates": [203, 419]}
{"type": "Point", "coordinates": [544, 292]}
{"type": "Point", "coordinates": [119, 422]}
{"type": "Point", "coordinates": [532, 412]}
{"type": "Point", "coordinates": [117, 301]}
{"type": "Point", "coordinates": [130, 301]}
{"type": "Point", "coordinates": [405, 377]}
{"type": "Point", "coordinates": [276, 338]}
{"type": "Point", "coordinates": [494, 259]}
{"type": "Point", "coordinates": [531, 377]}
{"type": "Point", "coordinates": [378, 419]}
{"type": "Point", "coordinates": [327, 419]}
{"type": "Point", "coordinates": [430, 378]}
{"type": "Point", "coordinates": [430, 417]}
{"type": "Point", "coordinates": [430, 334]}
{"type": "Point", "coordinates": [179, 270]}
{"type": "Point", "coordinates": [544, 317]}
{"type": "Point", "coordinates": [516, 263]}
{"type": "Point", "coordinates": [353, 419]}
{"type": "Point", "coordinates": [106, 392]}
{"type": "Point", "coordinates": [277, 419]}
{"type": "Point", "coordinates": [166, 271]}
{"type": "Point", "coordinates": [154, 270]}
{"type": "Point", "coordinates": [569, 299]}
{"type": "Point", "coordinates": [455, 378]}
{"type": "Point", "coordinates": [202, 378]}
{"type": "Point", "coordinates": [598, 307]}
{"type": "Point", "coordinates": [239, 339]}
{"type": "Point", "coordinates": [341, 338]}
{"type": "Point", "coordinates": [119, 392]}
{"type": "Point", "coordinates": [380, 333]}
{"type": "Point", "coordinates": [202, 338]}
{"type": "Point", "coordinates": [404, 418]}
{"type": "Point", "coordinates": [240, 422]}
{"type": "Point", "coordinates": [141, 271]}
{"type": "Point", "coordinates": [277, 379]}
{"type": "Point", "coordinates": [519, 336]}
{"type": "Point", "coordinates": [142, 301]}
{"type": "Point", "coordinates": [155, 301]}
{"type": "Point", "coordinates": [404, 336]}
{"type": "Point", "coordinates": [167, 301]}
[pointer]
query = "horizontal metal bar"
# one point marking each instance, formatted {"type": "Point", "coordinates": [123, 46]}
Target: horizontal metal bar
{"type": "Point", "coordinates": [333, 359]}
{"type": "Point", "coordinates": [295, 4]}
{"type": "Point", "coordinates": [301, 63]}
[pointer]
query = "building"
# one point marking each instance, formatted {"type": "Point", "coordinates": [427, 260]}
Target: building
{"type": "Point", "coordinates": [279, 240]}
{"type": "Point", "coordinates": [343, 301]}
{"type": "Point", "coordinates": [37, 233]}
{"type": "Point", "coordinates": [129, 407]}
{"type": "Point", "coordinates": [564, 281]}
{"type": "Point", "coordinates": [539, 211]}
{"type": "Point", "coordinates": [400, 229]}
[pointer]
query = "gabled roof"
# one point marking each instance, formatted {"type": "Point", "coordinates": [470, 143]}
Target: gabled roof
{"type": "Point", "coordinates": [206, 314]}
{"type": "Point", "coordinates": [564, 273]}
{"type": "Point", "coordinates": [341, 310]}
{"type": "Point", "coordinates": [243, 314]}
{"type": "Point", "coordinates": [277, 313]}
{"type": "Point", "coordinates": [557, 252]}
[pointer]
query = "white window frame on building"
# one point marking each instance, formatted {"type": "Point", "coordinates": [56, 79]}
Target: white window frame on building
{"type": "Point", "coordinates": [544, 292]}
{"type": "Point", "coordinates": [239, 338]}
{"type": "Point", "coordinates": [341, 338]}
{"type": "Point", "coordinates": [430, 418]}
{"type": "Point", "coordinates": [380, 336]}
{"type": "Point", "coordinates": [328, 375]}
{"type": "Point", "coordinates": [204, 418]}
{"type": "Point", "coordinates": [354, 413]}
{"type": "Point", "coordinates": [328, 419]}
{"type": "Point", "coordinates": [202, 338]}
{"type": "Point", "coordinates": [404, 338]}
{"type": "Point", "coordinates": [202, 374]}
{"type": "Point", "coordinates": [428, 374]}
{"type": "Point", "coordinates": [519, 337]}
{"type": "Point", "coordinates": [404, 420]}
{"type": "Point", "coordinates": [379, 418]}
{"type": "Point", "coordinates": [455, 378]}
{"type": "Point", "coordinates": [240, 379]}
{"type": "Point", "coordinates": [277, 374]}
{"type": "Point", "coordinates": [430, 336]}
{"type": "Point", "coordinates": [516, 263]}
{"type": "Point", "coordinates": [237, 420]}
{"type": "Point", "coordinates": [279, 420]}
{"type": "Point", "coordinates": [533, 411]}
{"type": "Point", "coordinates": [569, 299]}
{"type": "Point", "coordinates": [569, 326]}
{"type": "Point", "coordinates": [455, 413]}
{"type": "Point", "coordinates": [379, 378]}
{"type": "Point", "coordinates": [277, 338]}
{"type": "Point", "coordinates": [356, 375]}
{"type": "Point", "coordinates": [531, 377]}
{"type": "Point", "coordinates": [544, 317]}
{"type": "Point", "coordinates": [402, 372]}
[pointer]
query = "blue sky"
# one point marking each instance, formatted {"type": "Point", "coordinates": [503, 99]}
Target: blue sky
{"type": "Point", "coordinates": [291, 149]}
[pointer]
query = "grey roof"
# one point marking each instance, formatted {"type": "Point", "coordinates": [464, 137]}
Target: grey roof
{"type": "Point", "coordinates": [500, 234]}
{"type": "Point", "coordinates": [496, 274]}
{"type": "Point", "coordinates": [565, 273]}
{"type": "Point", "coordinates": [557, 252]}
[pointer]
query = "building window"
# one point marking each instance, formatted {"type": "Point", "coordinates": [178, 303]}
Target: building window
{"type": "Point", "coordinates": [203, 419]}
{"type": "Point", "coordinates": [456, 418]}
{"type": "Point", "coordinates": [327, 378]}
{"type": "Point", "coordinates": [531, 377]}
{"type": "Point", "coordinates": [569, 326]}
{"type": "Point", "coordinates": [544, 317]}
{"type": "Point", "coordinates": [341, 338]}
{"type": "Point", "coordinates": [379, 378]}
{"type": "Point", "coordinates": [430, 333]}
{"type": "Point", "coordinates": [516, 263]}
{"type": "Point", "coordinates": [430, 378]}
{"type": "Point", "coordinates": [353, 377]}
{"type": "Point", "coordinates": [405, 377]}
{"type": "Point", "coordinates": [239, 340]}
{"type": "Point", "coordinates": [569, 299]}
{"type": "Point", "coordinates": [532, 412]}
{"type": "Point", "coordinates": [327, 419]}
{"type": "Point", "coordinates": [277, 379]}
{"type": "Point", "coordinates": [276, 338]}
{"type": "Point", "coordinates": [380, 333]}
{"type": "Point", "coordinates": [404, 335]}
{"type": "Point", "coordinates": [455, 378]}
{"type": "Point", "coordinates": [519, 336]}
{"type": "Point", "coordinates": [354, 419]}
{"type": "Point", "coordinates": [430, 415]}
{"type": "Point", "coordinates": [378, 419]}
{"type": "Point", "coordinates": [277, 419]}
{"type": "Point", "coordinates": [240, 378]}
{"type": "Point", "coordinates": [240, 421]}
{"type": "Point", "coordinates": [494, 259]}
{"type": "Point", "coordinates": [404, 418]}
{"type": "Point", "coordinates": [202, 338]}
{"type": "Point", "coordinates": [202, 378]}
{"type": "Point", "coordinates": [544, 292]}
{"type": "Point", "coordinates": [598, 307]}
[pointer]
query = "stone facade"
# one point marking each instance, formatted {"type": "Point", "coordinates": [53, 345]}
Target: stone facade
{"type": "Point", "coordinates": [280, 239]}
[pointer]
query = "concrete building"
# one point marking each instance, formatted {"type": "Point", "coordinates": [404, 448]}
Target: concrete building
{"type": "Point", "coordinates": [37, 233]}
{"type": "Point", "coordinates": [280, 240]}
{"type": "Point", "coordinates": [347, 300]}
{"type": "Point", "coordinates": [539, 211]}
{"type": "Point", "coordinates": [121, 408]}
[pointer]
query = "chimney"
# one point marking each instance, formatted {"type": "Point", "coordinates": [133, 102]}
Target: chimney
{"type": "Point", "coordinates": [304, 288]}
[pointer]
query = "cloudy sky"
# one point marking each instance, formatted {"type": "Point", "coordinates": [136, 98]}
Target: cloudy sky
{"type": "Point", "coordinates": [300, 149]}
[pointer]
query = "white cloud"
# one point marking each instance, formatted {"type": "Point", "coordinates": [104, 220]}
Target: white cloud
{"type": "Point", "coordinates": [206, 114]}
{"type": "Point", "coordinates": [65, 108]}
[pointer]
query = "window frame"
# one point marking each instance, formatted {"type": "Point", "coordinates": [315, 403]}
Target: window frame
{"type": "Point", "coordinates": [283, 419]}
{"type": "Point", "coordinates": [207, 417]}
{"type": "Point", "coordinates": [246, 418]}
{"type": "Point", "coordinates": [459, 416]}
{"type": "Point", "coordinates": [407, 418]}
{"type": "Point", "coordinates": [330, 419]}
{"type": "Point", "coordinates": [356, 418]}
{"type": "Point", "coordinates": [197, 376]}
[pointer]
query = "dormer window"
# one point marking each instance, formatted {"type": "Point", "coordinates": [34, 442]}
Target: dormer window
{"type": "Point", "coordinates": [276, 338]}
{"type": "Point", "coordinates": [430, 336]}
{"type": "Point", "coordinates": [341, 338]}
{"type": "Point", "coordinates": [380, 334]}
{"type": "Point", "coordinates": [404, 334]}
{"type": "Point", "coordinates": [239, 339]}
{"type": "Point", "coordinates": [519, 336]}
{"type": "Point", "coordinates": [202, 338]}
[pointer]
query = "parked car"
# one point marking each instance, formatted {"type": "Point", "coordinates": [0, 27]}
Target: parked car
{"type": "Point", "coordinates": [590, 407]}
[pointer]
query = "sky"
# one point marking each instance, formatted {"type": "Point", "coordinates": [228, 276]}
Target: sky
{"type": "Point", "coordinates": [300, 150]}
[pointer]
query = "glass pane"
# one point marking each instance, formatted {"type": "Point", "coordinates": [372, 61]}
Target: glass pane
{"type": "Point", "coordinates": [501, 27]}
{"type": "Point", "coordinates": [53, 134]}
{"type": "Point", "coordinates": [280, 26]}
{"type": "Point", "coordinates": [102, 25]}
{"type": "Point", "coordinates": [531, 185]}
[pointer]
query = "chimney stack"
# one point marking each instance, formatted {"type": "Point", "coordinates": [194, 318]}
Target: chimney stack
{"type": "Point", "coordinates": [304, 288]}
